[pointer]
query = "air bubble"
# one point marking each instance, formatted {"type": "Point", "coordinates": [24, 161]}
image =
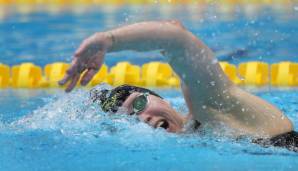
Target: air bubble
{"type": "Point", "coordinates": [212, 83]}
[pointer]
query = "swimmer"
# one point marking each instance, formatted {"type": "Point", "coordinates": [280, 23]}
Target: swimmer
{"type": "Point", "coordinates": [212, 99]}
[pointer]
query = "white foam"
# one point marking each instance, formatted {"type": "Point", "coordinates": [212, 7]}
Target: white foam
{"type": "Point", "coordinates": [70, 111]}
{"type": "Point", "coordinates": [75, 116]}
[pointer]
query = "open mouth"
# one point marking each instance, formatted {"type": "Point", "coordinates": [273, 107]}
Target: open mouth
{"type": "Point", "coordinates": [163, 124]}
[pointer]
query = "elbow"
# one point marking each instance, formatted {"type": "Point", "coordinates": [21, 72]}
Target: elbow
{"type": "Point", "coordinates": [178, 32]}
{"type": "Point", "coordinates": [177, 24]}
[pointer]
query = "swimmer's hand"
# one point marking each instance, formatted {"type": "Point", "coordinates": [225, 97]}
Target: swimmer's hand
{"type": "Point", "coordinates": [87, 59]}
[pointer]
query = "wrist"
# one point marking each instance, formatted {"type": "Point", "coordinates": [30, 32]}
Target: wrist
{"type": "Point", "coordinates": [111, 40]}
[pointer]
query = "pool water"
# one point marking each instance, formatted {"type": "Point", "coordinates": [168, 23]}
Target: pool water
{"type": "Point", "coordinates": [240, 34]}
{"type": "Point", "coordinates": [47, 129]}
{"type": "Point", "coordinates": [50, 130]}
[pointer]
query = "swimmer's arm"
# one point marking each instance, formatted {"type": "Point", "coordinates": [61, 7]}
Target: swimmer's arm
{"type": "Point", "coordinates": [147, 36]}
{"type": "Point", "coordinates": [187, 99]}
{"type": "Point", "coordinates": [166, 36]}
{"type": "Point", "coordinates": [193, 61]}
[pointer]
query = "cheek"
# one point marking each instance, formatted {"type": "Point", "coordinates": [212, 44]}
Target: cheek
{"type": "Point", "coordinates": [144, 118]}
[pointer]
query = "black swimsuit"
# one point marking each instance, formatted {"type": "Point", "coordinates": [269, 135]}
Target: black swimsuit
{"type": "Point", "coordinates": [287, 140]}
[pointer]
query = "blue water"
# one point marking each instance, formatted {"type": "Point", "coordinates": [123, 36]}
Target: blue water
{"type": "Point", "coordinates": [45, 35]}
{"type": "Point", "coordinates": [50, 130]}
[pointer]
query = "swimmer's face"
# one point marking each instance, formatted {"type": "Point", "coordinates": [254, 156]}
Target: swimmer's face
{"type": "Point", "coordinates": [158, 113]}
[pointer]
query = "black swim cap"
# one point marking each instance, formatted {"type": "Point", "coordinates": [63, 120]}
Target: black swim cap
{"type": "Point", "coordinates": [111, 100]}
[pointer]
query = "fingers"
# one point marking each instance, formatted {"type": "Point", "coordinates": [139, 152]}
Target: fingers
{"type": "Point", "coordinates": [64, 80]}
{"type": "Point", "coordinates": [72, 75]}
{"type": "Point", "coordinates": [88, 56]}
{"type": "Point", "coordinates": [73, 83]}
{"type": "Point", "coordinates": [93, 66]}
{"type": "Point", "coordinates": [88, 76]}
{"type": "Point", "coordinates": [70, 72]}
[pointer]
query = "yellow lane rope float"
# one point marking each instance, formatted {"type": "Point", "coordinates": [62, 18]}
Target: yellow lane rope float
{"type": "Point", "coordinates": [152, 74]}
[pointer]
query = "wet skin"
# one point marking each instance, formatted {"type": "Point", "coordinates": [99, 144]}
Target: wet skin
{"type": "Point", "coordinates": [158, 113]}
{"type": "Point", "coordinates": [212, 99]}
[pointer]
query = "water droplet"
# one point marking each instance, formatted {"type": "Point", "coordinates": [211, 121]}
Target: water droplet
{"type": "Point", "coordinates": [204, 107]}
{"type": "Point", "coordinates": [243, 110]}
{"type": "Point", "coordinates": [202, 51]}
{"type": "Point", "coordinates": [214, 61]}
{"type": "Point", "coordinates": [212, 83]}
{"type": "Point", "coordinates": [296, 8]}
{"type": "Point", "coordinates": [198, 81]}
{"type": "Point", "coordinates": [183, 76]}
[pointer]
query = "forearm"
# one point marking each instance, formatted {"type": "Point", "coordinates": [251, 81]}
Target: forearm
{"type": "Point", "coordinates": [146, 36]}
{"type": "Point", "coordinates": [181, 47]}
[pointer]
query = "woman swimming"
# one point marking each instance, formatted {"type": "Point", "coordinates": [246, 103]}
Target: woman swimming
{"type": "Point", "coordinates": [212, 99]}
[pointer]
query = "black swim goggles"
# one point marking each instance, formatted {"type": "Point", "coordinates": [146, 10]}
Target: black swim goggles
{"type": "Point", "coordinates": [140, 103]}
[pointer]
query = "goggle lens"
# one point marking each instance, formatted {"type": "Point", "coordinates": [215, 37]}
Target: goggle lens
{"type": "Point", "coordinates": [139, 103]}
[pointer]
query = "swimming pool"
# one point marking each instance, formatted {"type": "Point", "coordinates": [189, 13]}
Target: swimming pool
{"type": "Point", "coordinates": [46, 129]}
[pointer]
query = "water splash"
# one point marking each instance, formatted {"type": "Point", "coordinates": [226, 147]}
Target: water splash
{"type": "Point", "coordinates": [75, 116]}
